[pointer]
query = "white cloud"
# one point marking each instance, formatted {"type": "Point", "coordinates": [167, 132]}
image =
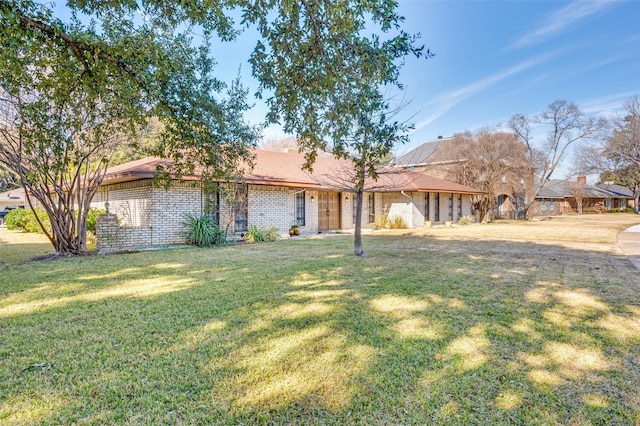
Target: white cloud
{"type": "Point", "coordinates": [444, 102]}
{"type": "Point", "coordinates": [562, 20]}
{"type": "Point", "coordinates": [606, 106]}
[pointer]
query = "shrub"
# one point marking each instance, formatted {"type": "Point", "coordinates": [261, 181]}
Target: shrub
{"type": "Point", "coordinates": [15, 219]}
{"type": "Point", "coordinates": [25, 220]}
{"type": "Point", "coordinates": [260, 235]}
{"type": "Point", "coordinates": [254, 235]}
{"type": "Point", "coordinates": [397, 222]}
{"type": "Point", "coordinates": [465, 220]}
{"type": "Point", "coordinates": [92, 218]}
{"type": "Point", "coordinates": [382, 222]}
{"type": "Point", "coordinates": [272, 234]}
{"type": "Point", "coordinates": [625, 210]}
{"type": "Point", "coordinates": [201, 231]}
{"type": "Point", "coordinates": [32, 225]}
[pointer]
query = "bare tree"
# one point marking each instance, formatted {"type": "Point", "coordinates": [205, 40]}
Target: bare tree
{"type": "Point", "coordinates": [623, 148]}
{"type": "Point", "coordinates": [566, 125]}
{"type": "Point", "coordinates": [283, 144]}
{"type": "Point", "coordinates": [577, 191]}
{"type": "Point", "coordinates": [493, 161]}
{"type": "Point", "coordinates": [616, 156]}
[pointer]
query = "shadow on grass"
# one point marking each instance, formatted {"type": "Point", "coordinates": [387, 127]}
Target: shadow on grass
{"type": "Point", "coordinates": [422, 331]}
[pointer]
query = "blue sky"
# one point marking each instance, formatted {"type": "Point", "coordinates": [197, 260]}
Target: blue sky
{"type": "Point", "coordinates": [498, 58]}
{"type": "Point", "coordinates": [495, 59]}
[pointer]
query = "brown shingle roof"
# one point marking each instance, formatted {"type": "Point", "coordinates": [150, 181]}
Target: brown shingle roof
{"type": "Point", "coordinates": [285, 169]}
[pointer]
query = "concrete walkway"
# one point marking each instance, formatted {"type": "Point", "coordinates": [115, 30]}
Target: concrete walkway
{"type": "Point", "coordinates": [629, 243]}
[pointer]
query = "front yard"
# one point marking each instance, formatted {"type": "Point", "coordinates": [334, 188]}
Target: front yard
{"type": "Point", "coordinates": [507, 323]}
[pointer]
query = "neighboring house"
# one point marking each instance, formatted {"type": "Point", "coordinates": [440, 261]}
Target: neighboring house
{"type": "Point", "coordinates": [562, 196]}
{"type": "Point", "coordinates": [276, 193]}
{"type": "Point", "coordinates": [441, 158]}
{"type": "Point", "coordinates": [11, 200]}
{"type": "Point", "coordinates": [625, 194]}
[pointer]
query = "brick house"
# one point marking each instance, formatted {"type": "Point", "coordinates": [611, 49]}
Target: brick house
{"type": "Point", "coordinates": [558, 197]}
{"type": "Point", "coordinates": [275, 193]}
{"type": "Point", "coordinates": [442, 158]}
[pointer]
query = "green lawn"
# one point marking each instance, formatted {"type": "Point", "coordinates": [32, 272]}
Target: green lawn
{"type": "Point", "coordinates": [477, 325]}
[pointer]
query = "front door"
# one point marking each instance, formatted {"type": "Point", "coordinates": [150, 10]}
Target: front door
{"type": "Point", "coordinates": [328, 211]}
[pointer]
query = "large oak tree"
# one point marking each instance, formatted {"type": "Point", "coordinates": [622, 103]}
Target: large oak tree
{"type": "Point", "coordinates": [69, 87]}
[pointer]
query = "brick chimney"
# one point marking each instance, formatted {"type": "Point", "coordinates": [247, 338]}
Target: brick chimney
{"type": "Point", "coordinates": [582, 180]}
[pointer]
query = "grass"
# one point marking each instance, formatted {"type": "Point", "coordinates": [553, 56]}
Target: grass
{"type": "Point", "coordinates": [508, 323]}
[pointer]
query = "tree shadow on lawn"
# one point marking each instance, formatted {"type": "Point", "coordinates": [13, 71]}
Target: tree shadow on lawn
{"type": "Point", "coordinates": [422, 331]}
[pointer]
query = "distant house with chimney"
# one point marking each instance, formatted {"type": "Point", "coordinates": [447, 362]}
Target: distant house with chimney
{"type": "Point", "coordinates": [558, 197]}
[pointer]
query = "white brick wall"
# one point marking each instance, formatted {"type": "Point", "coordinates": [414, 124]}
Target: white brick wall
{"type": "Point", "coordinates": [154, 216]}
{"type": "Point", "coordinates": [168, 210]}
{"type": "Point", "coordinates": [272, 206]}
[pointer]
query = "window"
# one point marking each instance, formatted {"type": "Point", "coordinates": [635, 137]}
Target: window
{"type": "Point", "coordinates": [300, 208]}
{"type": "Point", "coordinates": [451, 206]}
{"type": "Point", "coordinates": [436, 208]}
{"type": "Point", "coordinates": [241, 208]}
{"type": "Point", "coordinates": [372, 207]}
{"type": "Point", "coordinates": [212, 202]}
{"type": "Point", "coordinates": [543, 205]}
{"type": "Point", "coordinates": [426, 206]}
{"type": "Point", "coordinates": [552, 205]}
{"type": "Point", "coordinates": [459, 205]}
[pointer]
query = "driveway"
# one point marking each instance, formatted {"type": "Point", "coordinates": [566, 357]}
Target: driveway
{"type": "Point", "coordinates": [629, 243]}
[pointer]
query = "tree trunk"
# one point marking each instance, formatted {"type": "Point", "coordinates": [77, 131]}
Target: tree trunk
{"type": "Point", "coordinates": [357, 235]}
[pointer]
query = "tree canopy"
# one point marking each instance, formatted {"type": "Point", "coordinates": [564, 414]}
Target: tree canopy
{"type": "Point", "coordinates": [72, 92]}
{"type": "Point", "coordinates": [327, 65]}
{"type": "Point", "coordinates": [72, 86]}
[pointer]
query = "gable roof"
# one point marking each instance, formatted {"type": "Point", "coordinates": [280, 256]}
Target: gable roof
{"type": "Point", "coordinates": [424, 154]}
{"type": "Point", "coordinates": [285, 169]}
{"type": "Point", "coordinates": [558, 188]}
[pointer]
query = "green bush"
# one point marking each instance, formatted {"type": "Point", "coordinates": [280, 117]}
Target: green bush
{"type": "Point", "coordinates": [32, 225]}
{"type": "Point", "coordinates": [15, 219]}
{"type": "Point", "coordinates": [254, 235]}
{"type": "Point", "coordinates": [92, 218]}
{"type": "Point", "coordinates": [259, 235]}
{"type": "Point", "coordinates": [25, 220]}
{"type": "Point", "coordinates": [202, 231]}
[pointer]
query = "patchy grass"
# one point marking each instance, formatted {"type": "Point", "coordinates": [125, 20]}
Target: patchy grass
{"type": "Point", "coordinates": [18, 246]}
{"type": "Point", "coordinates": [481, 325]}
